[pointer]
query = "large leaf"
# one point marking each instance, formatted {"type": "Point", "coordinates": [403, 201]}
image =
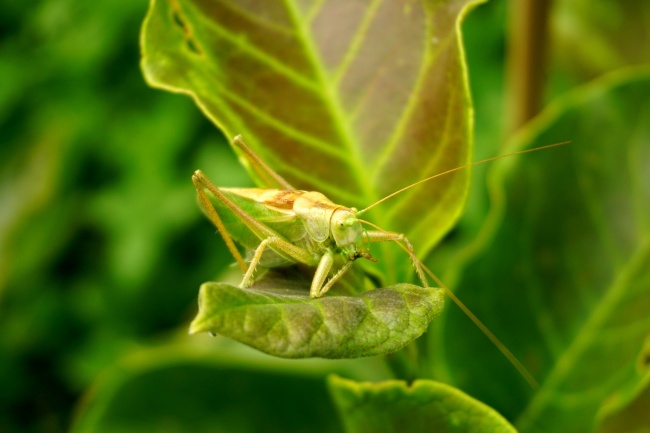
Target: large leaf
{"type": "Point", "coordinates": [564, 271]}
{"type": "Point", "coordinates": [281, 320]}
{"type": "Point", "coordinates": [424, 406]}
{"type": "Point", "coordinates": [200, 385]}
{"type": "Point", "coordinates": [353, 99]}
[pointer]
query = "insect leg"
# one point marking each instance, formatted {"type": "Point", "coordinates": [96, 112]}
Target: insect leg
{"type": "Point", "coordinates": [260, 230]}
{"type": "Point", "coordinates": [248, 276]}
{"type": "Point", "coordinates": [214, 217]}
{"type": "Point", "coordinates": [381, 236]}
{"type": "Point", "coordinates": [260, 167]}
{"type": "Point", "coordinates": [323, 269]}
{"type": "Point", "coordinates": [333, 280]}
{"type": "Point", "coordinates": [318, 285]}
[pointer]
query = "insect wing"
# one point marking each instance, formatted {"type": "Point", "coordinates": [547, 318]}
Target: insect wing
{"type": "Point", "coordinates": [270, 207]}
{"type": "Point", "coordinates": [315, 210]}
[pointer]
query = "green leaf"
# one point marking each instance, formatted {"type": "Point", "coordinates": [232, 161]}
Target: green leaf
{"type": "Point", "coordinates": [281, 320]}
{"type": "Point", "coordinates": [610, 46]}
{"type": "Point", "coordinates": [203, 385]}
{"type": "Point", "coordinates": [424, 406]}
{"type": "Point", "coordinates": [564, 271]}
{"type": "Point", "coordinates": [627, 412]}
{"type": "Point", "coordinates": [353, 100]}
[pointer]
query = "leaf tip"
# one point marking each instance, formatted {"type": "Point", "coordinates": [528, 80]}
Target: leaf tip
{"type": "Point", "coordinates": [196, 326]}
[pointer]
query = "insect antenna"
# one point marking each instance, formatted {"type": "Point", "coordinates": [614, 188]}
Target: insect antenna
{"type": "Point", "coordinates": [484, 329]}
{"type": "Point", "coordinates": [462, 167]}
{"type": "Point", "coordinates": [528, 377]}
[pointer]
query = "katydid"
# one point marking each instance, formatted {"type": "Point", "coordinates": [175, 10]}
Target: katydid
{"type": "Point", "coordinates": [291, 226]}
{"type": "Point", "coordinates": [282, 227]}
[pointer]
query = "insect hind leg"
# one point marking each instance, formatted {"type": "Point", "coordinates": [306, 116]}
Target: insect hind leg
{"type": "Point", "coordinates": [261, 167]}
{"type": "Point", "coordinates": [278, 244]}
{"type": "Point", "coordinates": [200, 181]}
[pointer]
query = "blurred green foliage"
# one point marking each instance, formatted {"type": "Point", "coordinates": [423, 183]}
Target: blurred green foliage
{"type": "Point", "coordinates": [102, 248]}
{"type": "Point", "coordinates": [101, 245]}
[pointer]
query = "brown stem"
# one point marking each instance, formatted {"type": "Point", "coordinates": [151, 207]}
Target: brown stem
{"type": "Point", "coordinates": [526, 68]}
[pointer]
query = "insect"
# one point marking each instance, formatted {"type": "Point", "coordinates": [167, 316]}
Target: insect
{"type": "Point", "coordinates": [282, 227]}
{"type": "Point", "coordinates": [291, 226]}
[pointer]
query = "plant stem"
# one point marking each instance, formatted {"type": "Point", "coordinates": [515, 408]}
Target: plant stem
{"type": "Point", "coordinates": [526, 62]}
{"type": "Point", "coordinates": [404, 363]}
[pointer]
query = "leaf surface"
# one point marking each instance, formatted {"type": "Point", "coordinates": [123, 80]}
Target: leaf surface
{"type": "Point", "coordinates": [610, 46]}
{"type": "Point", "coordinates": [564, 271]}
{"type": "Point", "coordinates": [283, 321]}
{"type": "Point", "coordinates": [352, 99]}
{"type": "Point", "coordinates": [627, 412]}
{"type": "Point", "coordinates": [214, 385]}
{"type": "Point", "coordinates": [424, 406]}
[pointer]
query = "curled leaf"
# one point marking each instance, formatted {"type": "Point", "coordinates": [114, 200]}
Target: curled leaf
{"type": "Point", "coordinates": [285, 322]}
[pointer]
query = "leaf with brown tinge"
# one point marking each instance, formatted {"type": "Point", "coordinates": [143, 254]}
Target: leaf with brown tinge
{"type": "Point", "coordinates": [352, 99]}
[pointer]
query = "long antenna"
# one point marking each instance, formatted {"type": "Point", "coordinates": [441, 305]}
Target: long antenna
{"type": "Point", "coordinates": [494, 158]}
{"type": "Point", "coordinates": [493, 338]}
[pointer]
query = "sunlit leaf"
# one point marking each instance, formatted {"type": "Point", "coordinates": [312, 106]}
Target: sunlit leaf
{"type": "Point", "coordinates": [563, 275]}
{"type": "Point", "coordinates": [424, 406]}
{"type": "Point", "coordinates": [351, 99]}
{"type": "Point", "coordinates": [281, 320]}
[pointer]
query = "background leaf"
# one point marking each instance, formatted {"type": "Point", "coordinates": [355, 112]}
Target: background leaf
{"type": "Point", "coordinates": [572, 228]}
{"type": "Point", "coordinates": [627, 412]}
{"type": "Point", "coordinates": [424, 406]}
{"type": "Point", "coordinates": [350, 99]}
{"type": "Point", "coordinates": [281, 320]}
{"type": "Point", "coordinates": [206, 385]}
{"type": "Point", "coordinates": [612, 28]}
{"type": "Point", "coordinates": [95, 171]}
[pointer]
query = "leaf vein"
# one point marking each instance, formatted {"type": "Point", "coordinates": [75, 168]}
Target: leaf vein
{"type": "Point", "coordinates": [585, 335]}
{"type": "Point", "coordinates": [327, 188]}
{"type": "Point", "coordinates": [357, 40]}
{"type": "Point", "coordinates": [314, 10]}
{"type": "Point", "coordinates": [288, 130]}
{"type": "Point", "coordinates": [255, 18]}
{"type": "Point", "coordinates": [270, 61]}
{"type": "Point", "coordinates": [333, 104]}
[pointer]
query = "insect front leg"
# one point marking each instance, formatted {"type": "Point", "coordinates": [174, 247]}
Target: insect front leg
{"type": "Point", "coordinates": [381, 236]}
{"type": "Point", "coordinates": [318, 285]}
{"type": "Point", "coordinates": [323, 269]}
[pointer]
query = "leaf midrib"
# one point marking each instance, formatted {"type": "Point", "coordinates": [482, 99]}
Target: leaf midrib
{"type": "Point", "coordinates": [331, 101]}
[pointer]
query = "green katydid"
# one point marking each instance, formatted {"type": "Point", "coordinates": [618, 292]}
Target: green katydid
{"type": "Point", "coordinates": [282, 227]}
{"type": "Point", "coordinates": [288, 226]}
